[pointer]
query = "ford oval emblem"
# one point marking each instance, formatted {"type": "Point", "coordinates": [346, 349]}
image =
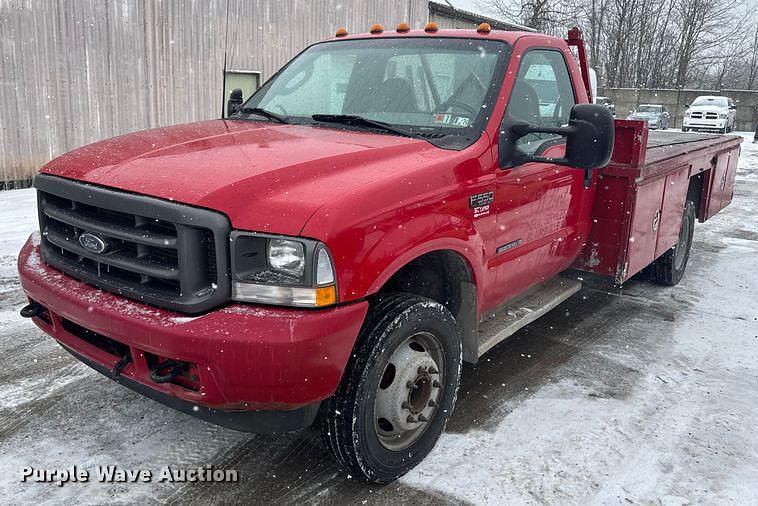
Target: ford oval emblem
{"type": "Point", "coordinates": [92, 243]}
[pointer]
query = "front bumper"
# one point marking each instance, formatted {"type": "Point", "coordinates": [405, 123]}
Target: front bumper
{"type": "Point", "coordinates": [246, 361]}
{"type": "Point", "coordinates": [705, 124]}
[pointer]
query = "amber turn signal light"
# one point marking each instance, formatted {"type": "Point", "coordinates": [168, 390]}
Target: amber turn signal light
{"type": "Point", "coordinates": [431, 27]}
{"type": "Point", "coordinates": [341, 32]}
{"type": "Point", "coordinates": [403, 28]}
{"type": "Point", "coordinates": [376, 29]}
{"type": "Point", "coordinates": [484, 28]}
{"type": "Point", "coordinates": [326, 296]}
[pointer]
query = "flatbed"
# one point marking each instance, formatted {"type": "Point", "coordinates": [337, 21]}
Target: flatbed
{"type": "Point", "coordinates": [640, 196]}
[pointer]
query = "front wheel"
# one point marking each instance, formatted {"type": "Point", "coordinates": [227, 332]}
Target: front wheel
{"type": "Point", "coordinates": [398, 391]}
{"type": "Point", "coordinates": [669, 268]}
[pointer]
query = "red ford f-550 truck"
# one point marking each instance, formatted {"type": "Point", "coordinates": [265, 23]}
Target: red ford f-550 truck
{"type": "Point", "coordinates": [385, 207]}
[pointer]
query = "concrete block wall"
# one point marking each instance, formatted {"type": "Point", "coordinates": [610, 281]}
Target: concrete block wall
{"type": "Point", "coordinates": [627, 99]}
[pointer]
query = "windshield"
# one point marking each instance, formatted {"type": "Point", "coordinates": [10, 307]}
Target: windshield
{"type": "Point", "coordinates": [717, 101]}
{"type": "Point", "coordinates": [440, 89]}
{"type": "Point", "coordinates": [649, 108]}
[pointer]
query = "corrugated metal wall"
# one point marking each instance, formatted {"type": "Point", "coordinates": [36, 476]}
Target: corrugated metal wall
{"type": "Point", "coordinates": [75, 71]}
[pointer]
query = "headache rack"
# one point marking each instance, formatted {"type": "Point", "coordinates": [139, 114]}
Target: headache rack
{"type": "Point", "coordinates": [158, 252]}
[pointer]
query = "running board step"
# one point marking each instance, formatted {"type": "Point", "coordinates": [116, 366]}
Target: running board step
{"type": "Point", "coordinates": [523, 310]}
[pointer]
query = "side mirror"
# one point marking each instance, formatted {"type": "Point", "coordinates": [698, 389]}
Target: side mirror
{"type": "Point", "coordinates": [589, 139]}
{"type": "Point", "coordinates": [733, 107]}
{"type": "Point", "coordinates": [235, 101]}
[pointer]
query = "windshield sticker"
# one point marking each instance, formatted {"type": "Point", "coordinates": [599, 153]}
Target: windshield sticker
{"type": "Point", "coordinates": [443, 118]}
{"type": "Point", "coordinates": [449, 119]}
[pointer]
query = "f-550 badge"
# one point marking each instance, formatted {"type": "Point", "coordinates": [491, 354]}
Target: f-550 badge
{"type": "Point", "coordinates": [480, 203]}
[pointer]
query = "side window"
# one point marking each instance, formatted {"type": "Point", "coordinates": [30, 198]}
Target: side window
{"type": "Point", "coordinates": [543, 95]}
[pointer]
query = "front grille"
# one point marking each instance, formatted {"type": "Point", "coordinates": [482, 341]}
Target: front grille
{"type": "Point", "coordinates": [697, 115]}
{"type": "Point", "coordinates": [158, 252]}
{"type": "Point", "coordinates": [711, 115]}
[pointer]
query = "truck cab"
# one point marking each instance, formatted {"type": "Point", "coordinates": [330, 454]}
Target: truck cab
{"type": "Point", "coordinates": [368, 220]}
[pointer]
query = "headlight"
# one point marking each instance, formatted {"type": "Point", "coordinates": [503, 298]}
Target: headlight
{"type": "Point", "coordinates": [285, 271]}
{"type": "Point", "coordinates": [686, 114]}
{"type": "Point", "coordinates": [286, 256]}
{"type": "Point", "coordinates": [722, 115]}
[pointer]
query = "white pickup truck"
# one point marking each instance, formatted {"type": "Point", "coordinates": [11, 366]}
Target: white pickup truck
{"type": "Point", "coordinates": [710, 113]}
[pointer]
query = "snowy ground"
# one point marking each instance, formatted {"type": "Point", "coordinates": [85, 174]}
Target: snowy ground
{"type": "Point", "coordinates": [644, 394]}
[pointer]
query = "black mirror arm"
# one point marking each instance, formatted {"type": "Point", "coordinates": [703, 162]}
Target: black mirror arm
{"type": "Point", "coordinates": [521, 129]}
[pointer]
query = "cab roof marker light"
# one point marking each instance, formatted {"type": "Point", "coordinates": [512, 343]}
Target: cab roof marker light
{"type": "Point", "coordinates": [341, 32]}
{"type": "Point", "coordinates": [376, 29]}
{"type": "Point", "coordinates": [431, 27]}
{"type": "Point", "coordinates": [403, 28]}
{"type": "Point", "coordinates": [484, 28]}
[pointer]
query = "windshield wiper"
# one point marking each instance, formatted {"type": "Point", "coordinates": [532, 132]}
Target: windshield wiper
{"type": "Point", "coordinates": [263, 112]}
{"type": "Point", "coordinates": [352, 120]}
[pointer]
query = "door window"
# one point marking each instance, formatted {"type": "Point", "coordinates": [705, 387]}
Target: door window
{"type": "Point", "coordinates": [542, 95]}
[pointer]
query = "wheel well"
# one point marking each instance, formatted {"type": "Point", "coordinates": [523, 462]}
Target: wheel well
{"type": "Point", "coordinates": [695, 193]}
{"type": "Point", "coordinates": [444, 276]}
{"type": "Point", "coordinates": [437, 275]}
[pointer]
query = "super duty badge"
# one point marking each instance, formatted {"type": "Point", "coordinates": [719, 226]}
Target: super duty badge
{"type": "Point", "coordinates": [480, 203]}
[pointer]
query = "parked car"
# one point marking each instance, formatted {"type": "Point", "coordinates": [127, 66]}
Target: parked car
{"type": "Point", "coordinates": [608, 103]}
{"type": "Point", "coordinates": [708, 113]}
{"type": "Point", "coordinates": [332, 254]}
{"type": "Point", "coordinates": [657, 116]}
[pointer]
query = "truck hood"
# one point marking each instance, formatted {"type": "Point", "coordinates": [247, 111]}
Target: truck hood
{"type": "Point", "coordinates": [708, 108]}
{"type": "Point", "coordinates": [264, 176]}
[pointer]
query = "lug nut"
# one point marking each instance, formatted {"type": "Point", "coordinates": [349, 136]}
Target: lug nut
{"type": "Point", "coordinates": [411, 419]}
{"type": "Point", "coordinates": [436, 384]}
{"type": "Point", "coordinates": [405, 405]}
{"type": "Point", "coordinates": [432, 403]}
{"type": "Point", "coordinates": [433, 370]}
{"type": "Point", "coordinates": [422, 418]}
{"type": "Point", "coordinates": [409, 384]}
{"type": "Point", "coordinates": [421, 369]}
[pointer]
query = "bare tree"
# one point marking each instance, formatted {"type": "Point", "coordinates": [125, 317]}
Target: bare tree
{"type": "Point", "coordinates": [653, 43]}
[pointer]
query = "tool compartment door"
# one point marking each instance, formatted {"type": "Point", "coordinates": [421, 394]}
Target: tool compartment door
{"type": "Point", "coordinates": [675, 193]}
{"type": "Point", "coordinates": [731, 174]}
{"type": "Point", "coordinates": [643, 232]}
{"type": "Point", "coordinates": [721, 185]}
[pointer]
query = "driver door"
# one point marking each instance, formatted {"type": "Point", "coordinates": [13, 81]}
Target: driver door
{"type": "Point", "coordinates": [538, 204]}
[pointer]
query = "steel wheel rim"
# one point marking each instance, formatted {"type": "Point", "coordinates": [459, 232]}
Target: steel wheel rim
{"type": "Point", "coordinates": [681, 246]}
{"type": "Point", "coordinates": [409, 391]}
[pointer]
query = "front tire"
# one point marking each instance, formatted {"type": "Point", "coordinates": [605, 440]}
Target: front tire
{"type": "Point", "coordinates": [669, 268]}
{"type": "Point", "coordinates": [398, 390]}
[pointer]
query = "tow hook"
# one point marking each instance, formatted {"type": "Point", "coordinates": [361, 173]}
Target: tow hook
{"type": "Point", "coordinates": [175, 369]}
{"type": "Point", "coordinates": [32, 310]}
{"type": "Point", "coordinates": [121, 364]}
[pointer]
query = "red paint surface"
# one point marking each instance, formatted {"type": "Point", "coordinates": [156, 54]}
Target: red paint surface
{"type": "Point", "coordinates": [377, 201]}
